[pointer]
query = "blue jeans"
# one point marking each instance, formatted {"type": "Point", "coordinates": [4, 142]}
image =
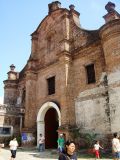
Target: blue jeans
{"type": "Point", "coordinates": [41, 147]}
{"type": "Point", "coordinates": [60, 149]}
{"type": "Point", "coordinates": [117, 155]}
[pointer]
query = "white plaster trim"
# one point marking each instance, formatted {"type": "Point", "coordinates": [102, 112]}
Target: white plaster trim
{"type": "Point", "coordinates": [6, 126]}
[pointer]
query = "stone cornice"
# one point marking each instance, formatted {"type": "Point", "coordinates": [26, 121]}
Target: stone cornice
{"type": "Point", "coordinates": [110, 28]}
{"type": "Point", "coordinates": [46, 66]}
{"type": "Point", "coordinates": [11, 81]}
{"type": "Point", "coordinates": [85, 49]}
{"type": "Point", "coordinates": [11, 109]}
{"type": "Point", "coordinates": [10, 85]}
{"type": "Point", "coordinates": [30, 75]}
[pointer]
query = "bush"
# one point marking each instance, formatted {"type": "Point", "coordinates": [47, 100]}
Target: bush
{"type": "Point", "coordinates": [19, 140]}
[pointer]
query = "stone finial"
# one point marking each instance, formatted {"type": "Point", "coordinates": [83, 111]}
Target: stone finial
{"type": "Point", "coordinates": [112, 13]}
{"type": "Point", "coordinates": [110, 6]}
{"type": "Point", "coordinates": [54, 6]}
{"type": "Point", "coordinates": [12, 75]}
{"type": "Point", "coordinates": [72, 7]}
{"type": "Point", "coordinates": [74, 14]}
{"type": "Point", "coordinates": [12, 67]}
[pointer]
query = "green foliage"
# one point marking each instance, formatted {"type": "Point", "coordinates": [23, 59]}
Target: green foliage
{"type": "Point", "coordinates": [83, 140]}
{"type": "Point", "coordinates": [89, 138]}
{"type": "Point", "coordinates": [18, 138]}
{"type": "Point", "coordinates": [75, 133]}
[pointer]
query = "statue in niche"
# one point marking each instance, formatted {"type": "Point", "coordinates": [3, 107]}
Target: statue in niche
{"type": "Point", "coordinates": [18, 100]}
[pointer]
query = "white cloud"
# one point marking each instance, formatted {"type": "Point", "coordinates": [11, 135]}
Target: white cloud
{"type": "Point", "coordinates": [1, 100]}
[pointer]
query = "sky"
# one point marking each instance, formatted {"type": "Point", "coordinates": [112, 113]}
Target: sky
{"type": "Point", "coordinates": [20, 18]}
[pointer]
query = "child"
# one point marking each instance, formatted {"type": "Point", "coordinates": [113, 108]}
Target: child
{"type": "Point", "coordinates": [96, 148]}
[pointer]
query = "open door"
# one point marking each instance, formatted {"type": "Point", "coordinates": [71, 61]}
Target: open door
{"type": "Point", "coordinates": [51, 126]}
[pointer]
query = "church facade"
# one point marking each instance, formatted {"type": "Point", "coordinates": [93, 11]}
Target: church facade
{"type": "Point", "coordinates": [72, 79]}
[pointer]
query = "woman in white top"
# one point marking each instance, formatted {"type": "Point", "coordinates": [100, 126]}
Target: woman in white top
{"type": "Point", "coordinates": [13, 148]}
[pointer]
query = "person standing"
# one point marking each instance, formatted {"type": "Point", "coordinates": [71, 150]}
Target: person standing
{"type": "Point", "coordinates": [1, 145]}
{"type": "Point", "coordinates": [41, 143]}
{"type": "Point", "coordinates": [116, 146]}
{"type": "Point", "coordinates": [96, 149]}
{"type": "Point", "coordinates": [13, 148]}
{"type": "Point", "coordinates": [61, 143]}
{"type": "Point", "coordinates": [69, 152]}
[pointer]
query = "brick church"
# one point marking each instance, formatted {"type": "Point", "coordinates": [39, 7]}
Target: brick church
{"type": "Point", "coordinates": [71, 80]}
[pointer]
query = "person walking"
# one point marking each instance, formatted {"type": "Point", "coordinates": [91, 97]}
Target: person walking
{"type": "Point", "coordinates": [116, 146]}
{"type": "Point", "coordinates": [13, 148]}
{"type": "Point", "coordinates": [61, 143]}
{"type": "Point", "coordinates": [69, 152]}
{"type": "Point", "coordinates": [96, 149]}
{"type": "Point", "coordinates": [41, 143]}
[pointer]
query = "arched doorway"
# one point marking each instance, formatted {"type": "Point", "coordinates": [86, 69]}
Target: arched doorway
{"type": "Point", "coordinates": [51, 126]}
{"type": "Point", "coordinates": [48, 120]}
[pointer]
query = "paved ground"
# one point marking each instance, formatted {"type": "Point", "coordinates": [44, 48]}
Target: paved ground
{"type": "Point", "coordinates": [27, 154]}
